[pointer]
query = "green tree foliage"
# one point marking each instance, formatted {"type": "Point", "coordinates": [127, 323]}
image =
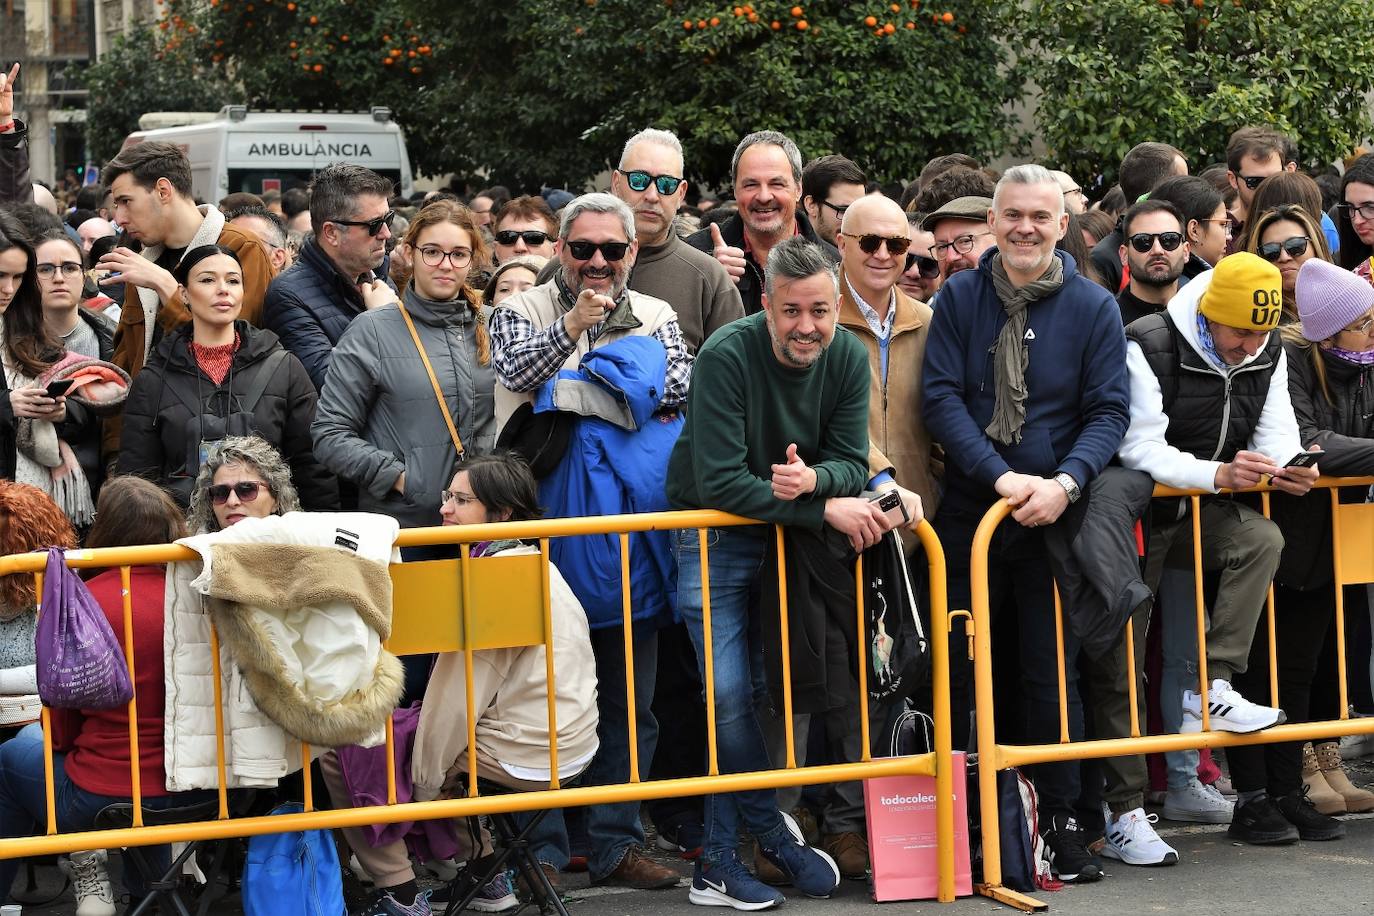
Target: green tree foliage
{"type": "Point", "coordinates": [1113, 73]}
{"type": "Point", "coordinates": [145, 71]}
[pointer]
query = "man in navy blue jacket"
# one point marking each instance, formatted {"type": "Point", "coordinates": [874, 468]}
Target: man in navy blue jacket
{"type": "Point", "coordinates": [1026, 389]}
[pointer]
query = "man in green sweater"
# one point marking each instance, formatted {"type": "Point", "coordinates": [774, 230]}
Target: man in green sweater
{"type": "Point", "coordinates": [776, 429]}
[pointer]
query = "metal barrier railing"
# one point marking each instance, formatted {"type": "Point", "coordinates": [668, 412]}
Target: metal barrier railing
{"type": "Point", "coordinates": [473, 584]}
{"type": "Point", "coordinates": [1352, 527]}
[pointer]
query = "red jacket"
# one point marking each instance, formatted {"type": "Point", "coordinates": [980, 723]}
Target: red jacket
{"type": "Point", "coordinates": [97, 740]}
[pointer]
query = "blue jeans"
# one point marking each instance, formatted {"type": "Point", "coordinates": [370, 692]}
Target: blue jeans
{"type": "Point", "coordinates": [736, 561]}
{"type": "Point", "coordinates": [24, 808]}
{"type": "Point", "coordinates": [611, 829]}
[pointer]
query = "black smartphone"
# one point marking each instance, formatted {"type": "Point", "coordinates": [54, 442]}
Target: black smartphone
{"type": "Point", "coordinates": [1305, 459]}
{"type": "Point", "coordinates": [58, 388]}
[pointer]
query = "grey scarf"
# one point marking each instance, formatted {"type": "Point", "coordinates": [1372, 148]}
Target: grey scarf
{"type": "Point", "coordinates": [1010, 354]}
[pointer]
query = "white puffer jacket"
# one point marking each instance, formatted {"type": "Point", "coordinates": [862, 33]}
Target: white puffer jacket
{"type": "Point", "coordinates": [335, 652]}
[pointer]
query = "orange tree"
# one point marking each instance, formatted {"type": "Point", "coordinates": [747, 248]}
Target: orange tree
{"type": "Point", "coordinates": [534, 92]}
{"type": "Point", "coordinates": [1113, 73]}
{"type": "Point", "coordinates": [887, 83]}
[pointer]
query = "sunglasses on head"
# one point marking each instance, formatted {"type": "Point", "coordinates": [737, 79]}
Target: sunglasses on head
{"type": "Point", "coordinates": [245, 490]}
{"type": "Point", "coordinates": [929, 267]}
{"type": "Point", "coordinates": [639, 180]}
{"type": "Point", "coordinates": [868, 244]}
{"type": "Point", "coordinates": [1144, 241]}
{"type": "Point", "coordinates": [1295, 246]}
{"type": "Point", "coordinates": [532, 237]}
{"type": "Point", "coordinates": [373, 226]}
{"type": "Point", "coordinates": [611, 251]}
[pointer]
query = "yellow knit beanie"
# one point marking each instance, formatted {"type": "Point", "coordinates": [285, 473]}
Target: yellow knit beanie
{"type": "Point", "coordinates": [1245, 292]}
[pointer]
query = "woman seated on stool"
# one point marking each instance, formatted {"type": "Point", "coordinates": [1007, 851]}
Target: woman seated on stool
{"type": "Point", "coordinates": [91, 747]}
{"type": "Point", "coordinates": [510, 692]}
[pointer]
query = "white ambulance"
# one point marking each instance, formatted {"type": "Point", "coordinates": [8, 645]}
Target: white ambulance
{"type": "Point", "coordinates": [237, 149]}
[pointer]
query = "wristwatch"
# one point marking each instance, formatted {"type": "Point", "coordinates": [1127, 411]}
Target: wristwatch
{"type": "Point", "coordinates": [1070, 487]}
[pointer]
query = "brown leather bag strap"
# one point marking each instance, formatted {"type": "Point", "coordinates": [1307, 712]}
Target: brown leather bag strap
{"type": "Point", "coordinates": [429, 370]}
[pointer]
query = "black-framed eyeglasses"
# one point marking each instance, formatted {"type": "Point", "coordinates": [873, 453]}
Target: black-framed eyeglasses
{"type": "Point", "coordinates": [962, 244]}
{"type": "Point", "coordinates": [68, 268]}
{"type": "Point", "coordinates": [433, 256]}
{"type": "Point", "coordinates": [639, 180]}
{"type": "Point", "coordinates": [1252, 181]}
{"type": "Point", "coordinates": [373, 226]}
{"type": "Point", "coordinates": [870, 243]}
{"type": "Point", "coordinates": [840, 209]}
{"type": "Point", "coordinates": [1144, 241]}
{"type": "Point", "coordinates": [1347, 210]}
{"type": "Point", "coordinates": [245, 490]}
{"type": "Point", "coordinates": [611, 251]}
{"type": "Point", "coordinates": [1295, 246]}
{"type": "Point", "coordinates": [929, 267]}
{"type": "Point", "coordinates": [533, 237]}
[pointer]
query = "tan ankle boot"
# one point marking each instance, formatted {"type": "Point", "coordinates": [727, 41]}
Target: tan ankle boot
{"type": "Point", "coordinates": [1327, 799]}
{"type": "Point", "coordinates": [1328, 755]}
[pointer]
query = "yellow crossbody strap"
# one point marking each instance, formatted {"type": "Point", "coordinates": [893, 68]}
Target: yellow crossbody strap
{"type": "Point", "coordinates": [429, 370]}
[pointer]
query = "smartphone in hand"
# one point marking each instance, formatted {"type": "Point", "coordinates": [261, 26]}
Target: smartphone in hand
{"type": "Point", "coordinates": [58, 388]}
{"type": "Point", "coordinates": [1305, 459]}
{"type": "Point", "coordinates": [890, 501]}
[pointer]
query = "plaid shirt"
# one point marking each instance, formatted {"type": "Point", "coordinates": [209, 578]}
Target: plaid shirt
{"type": "Point", "coordinates": [524, 358]}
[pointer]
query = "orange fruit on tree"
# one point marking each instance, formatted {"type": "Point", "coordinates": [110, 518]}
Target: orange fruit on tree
{"type": "Point", "coordinates": [796, 12]}
{"type": "Point", "coordinates": [870, 21]}
{"type": "Point", "coordinates": [948, 17]}
{"type": "Point", "coordinates": [687, 24]}
{"type": "Point", "coordinates": [715, 21]}
{"type": "Point", "coordinates": [701, 23]}
{"type": "Point", "coordinates": [777, 26]}
{"type": "Point", "coordinates": [889, 28]}
{"type": "Point", "coordinates": [753, 17]}
{"type": "Point", "coordinates": [802, 25]}
{"type": "Point", "coordinates": [318, 68]}
{"type": "Point", "coordinates": [896, 8]}
{"type": "Point", "coordinates": [911, 25]}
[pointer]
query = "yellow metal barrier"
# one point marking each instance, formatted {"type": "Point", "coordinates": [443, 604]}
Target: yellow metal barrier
{"type": "Point", "coordinates": [517, 590]}
{"type": "Point", "coordinates": [1353, 549]}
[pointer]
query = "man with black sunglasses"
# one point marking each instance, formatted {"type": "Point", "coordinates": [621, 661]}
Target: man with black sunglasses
{"type": "Point", "coordinates": [524, 225]}
{"type": "Point", "coordinates": [766, 171]}
{"type": "Point", "coordinates": [1252, 155]}
{"type": "Point", "coordinates": [1155, 250]}
{"type": "Point", "coordinates": [340, 272]}
{"type": "Point", "coordinates": [650, 182]}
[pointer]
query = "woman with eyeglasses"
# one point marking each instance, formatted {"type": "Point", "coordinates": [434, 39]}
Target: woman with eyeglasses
{"type": "Point", "coordinates": [1330, 356]}
{"type": "Point", "coordinates": [1288, 236]}
{"type": "Point", "coordinates": [218, 376]}
{"type": "Point", "coordinates": [1355, 217]}
{"type": "Point", "coordinates": [43, 435]}
{"type": "Point", "coordinates": [382, 425]}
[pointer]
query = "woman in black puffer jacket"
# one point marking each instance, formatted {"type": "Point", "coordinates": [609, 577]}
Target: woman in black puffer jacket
{"type": "Point", "coordinates": [1330, 360]}
{"type": "Point", "coordinates": [215, 377]}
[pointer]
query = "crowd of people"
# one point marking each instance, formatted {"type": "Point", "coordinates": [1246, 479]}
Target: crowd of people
{"type": "Point", "coordinates": [812, 353]}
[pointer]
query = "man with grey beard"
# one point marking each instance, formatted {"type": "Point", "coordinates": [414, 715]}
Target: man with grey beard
{"type": "Point", "coordinates": [534, 335]}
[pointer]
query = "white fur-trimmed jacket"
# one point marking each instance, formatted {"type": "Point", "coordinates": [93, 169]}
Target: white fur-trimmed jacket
{"type": "Point", "coordinates": [316, 583]}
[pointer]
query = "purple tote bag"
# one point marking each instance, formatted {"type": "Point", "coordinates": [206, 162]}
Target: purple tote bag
{"type": "Point", "coordinates": [80, 662]}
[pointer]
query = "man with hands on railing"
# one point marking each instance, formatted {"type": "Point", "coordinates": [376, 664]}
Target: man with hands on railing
{"type": "Point", "coordinates": [1211, 410]}
{"type": "Point", "coordinates": [1024, 389]}
{"type": "Point", "coordinates": [776, 430]}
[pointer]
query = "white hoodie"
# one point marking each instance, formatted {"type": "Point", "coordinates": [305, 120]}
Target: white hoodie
{"type": "Point", "coordinates": [1145, 449]}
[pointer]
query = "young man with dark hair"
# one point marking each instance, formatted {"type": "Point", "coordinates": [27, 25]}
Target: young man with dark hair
{"type": "Point", "coordinates": [829, 185]}
{"type": "Point", "coordinates": [1144, 167]}
{"type": "Point", "coordinates": [336, 277]}
{"type": "Point", "coordinates": [1155, 249]}
{"type": "Point", "coordinates": [151, 187]}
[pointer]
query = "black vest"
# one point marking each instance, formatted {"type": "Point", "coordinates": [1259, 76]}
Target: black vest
{"type": "Point", "coordinates": [1210, 416]}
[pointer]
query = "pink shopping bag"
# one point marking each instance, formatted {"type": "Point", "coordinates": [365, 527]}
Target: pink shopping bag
{"type": "Point", "coordinates": [901, 836]}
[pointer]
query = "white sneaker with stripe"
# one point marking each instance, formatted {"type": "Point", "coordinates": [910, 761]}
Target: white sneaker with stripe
{"type": "Point", "coordinates": [1230, 712]}
{"type": "Point", "coordinates": [1131, 838]}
